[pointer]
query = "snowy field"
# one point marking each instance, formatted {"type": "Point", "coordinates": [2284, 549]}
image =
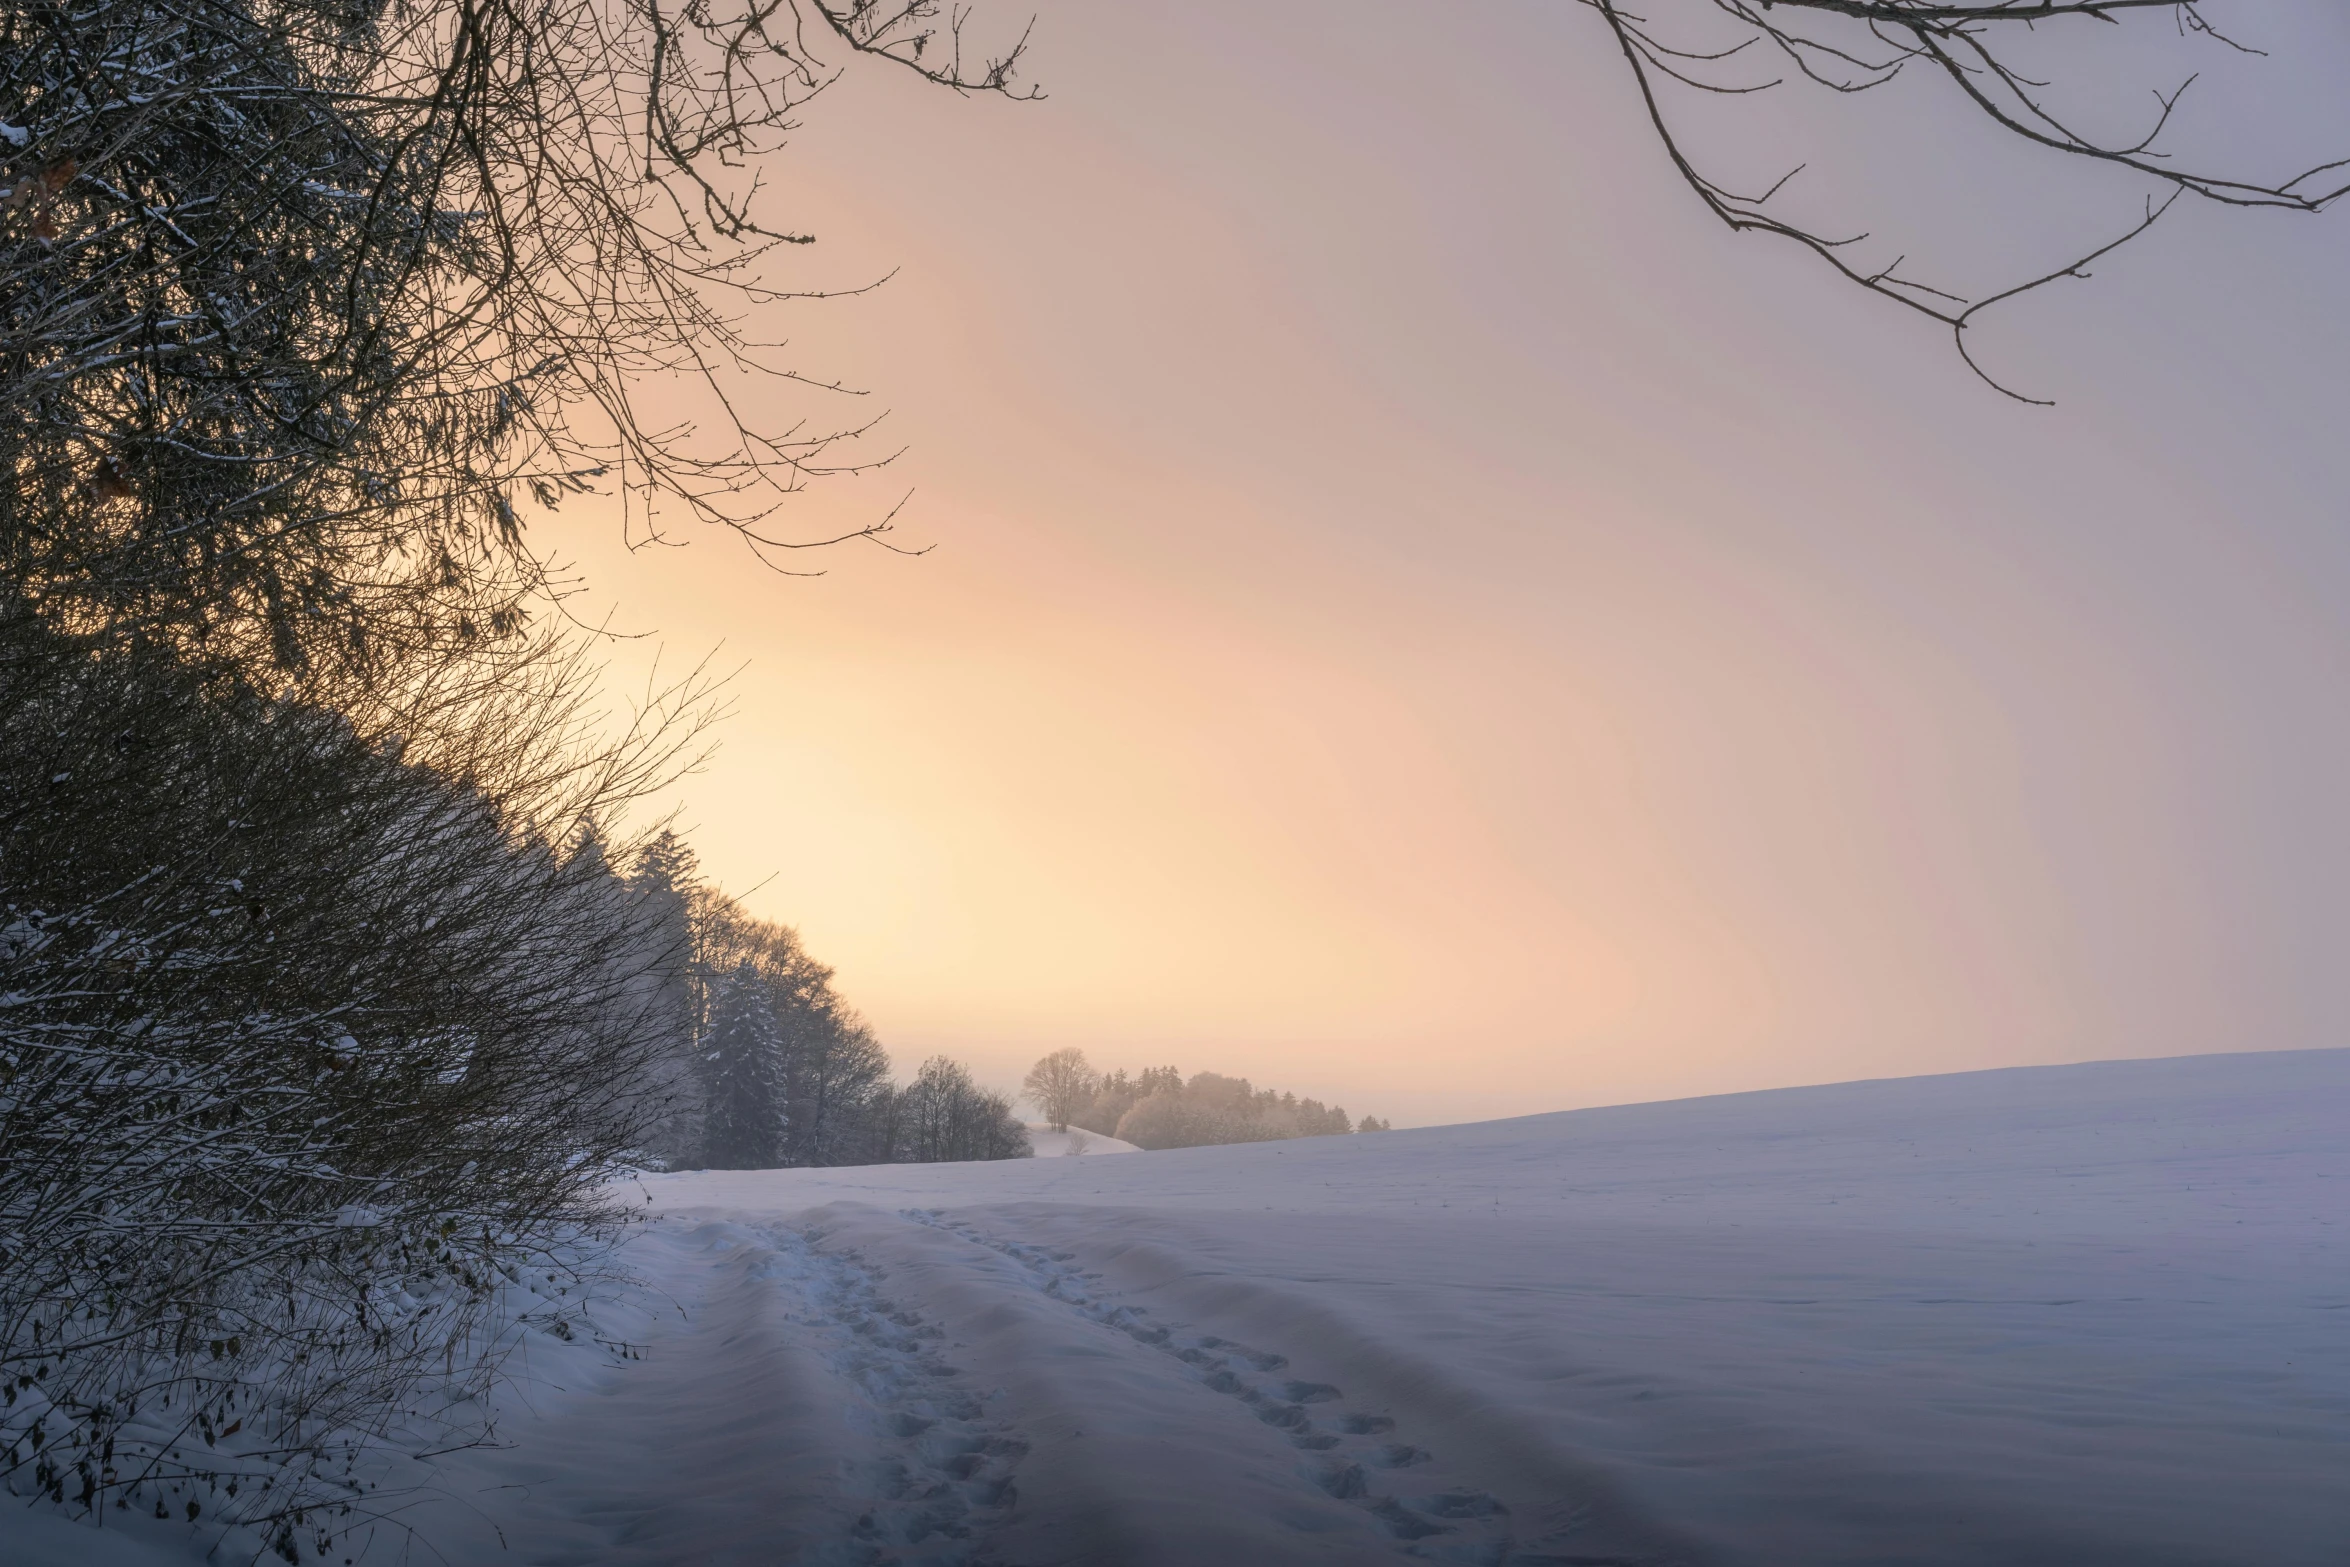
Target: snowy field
{"type": "Point", "coordinates": [2069, 1316]}
{"type": "Point", "coordinates": [1049, 1144]}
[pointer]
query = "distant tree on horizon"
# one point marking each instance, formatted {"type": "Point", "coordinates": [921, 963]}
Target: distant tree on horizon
{"type": "Point", "coordinates": [1061, 1085]}
{"type": "Point", "coordinates": [943, 1116]}
{"type": "Point", "coordinates": [1159, 1108]}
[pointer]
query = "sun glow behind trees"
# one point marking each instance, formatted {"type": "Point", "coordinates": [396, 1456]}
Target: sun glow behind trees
{"type": "Point", "coordinates": [1424, 616]}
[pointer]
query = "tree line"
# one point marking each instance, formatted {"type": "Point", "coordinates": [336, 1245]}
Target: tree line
{"type": "Point", "coordinates": [761, 1064]}
{"type": "Point", "coordinates": [310, 1036]}
{"type": "Point", "coordinates": [1158, 1107]}
{"type": "Point", "coordinates": [334, 984]}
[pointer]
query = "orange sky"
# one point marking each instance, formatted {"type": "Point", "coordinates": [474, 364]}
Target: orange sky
{"type": "Point", "coordinates": [1418, 617]}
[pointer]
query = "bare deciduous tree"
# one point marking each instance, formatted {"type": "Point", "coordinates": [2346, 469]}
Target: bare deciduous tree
{"type": "Point", "coordinates": [943, 1117]}
{"type": "Point", "coordinates": [1061, 1085]}
{"type": "Point", "coordinates": [303, 301]}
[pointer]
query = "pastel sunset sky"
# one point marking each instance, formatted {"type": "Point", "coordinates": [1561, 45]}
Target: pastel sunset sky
{"type": "Point", "coordinates": [1421, 614]}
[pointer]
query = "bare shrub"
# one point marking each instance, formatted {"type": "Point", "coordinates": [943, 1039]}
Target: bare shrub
{"type": "Point", "coordinates": [305, 1044]}
{"type": "Point", "coordinates": [320, 1003]}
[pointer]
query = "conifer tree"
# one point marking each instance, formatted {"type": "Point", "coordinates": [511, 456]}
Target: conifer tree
{"type": "Point", "coordinates": [664, 882]}
{"type": "Point", "coordinates": [746, 1118]}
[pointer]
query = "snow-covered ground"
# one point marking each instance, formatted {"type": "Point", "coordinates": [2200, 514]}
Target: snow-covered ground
{"type": "Point", "coordinates": [2088, 1316]}
{"type": "Point", "coordinates": [1050, 1144]}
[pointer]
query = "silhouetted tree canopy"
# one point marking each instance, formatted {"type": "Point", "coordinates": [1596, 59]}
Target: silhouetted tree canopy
{"type": "Point", "coordinates": [302, 302]}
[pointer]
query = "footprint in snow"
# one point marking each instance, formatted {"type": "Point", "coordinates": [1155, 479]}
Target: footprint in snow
{"type": "Point", "coordinates": [1356, 1457]}
{"type": "Point", "coordinates": [942, 1475]}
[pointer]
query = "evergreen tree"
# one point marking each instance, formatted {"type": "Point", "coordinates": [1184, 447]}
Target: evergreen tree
{"type": "Point", "coordinates": [667, 862]}
{"type": "Point", "coordinates": [1113, 1095]}
{"type": "Point", "coordinates": [664, 884]}
{"type": "Point", "coordinates": [746, 1119]}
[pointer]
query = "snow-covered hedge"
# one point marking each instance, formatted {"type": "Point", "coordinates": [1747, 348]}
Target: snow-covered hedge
{"type": "Point", "coordinates": [304, 1050]}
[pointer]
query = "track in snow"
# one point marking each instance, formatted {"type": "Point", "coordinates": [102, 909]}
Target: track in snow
{"type": "Point", "coordinates": [1353, 1455]}
{"type": "Point", "coordinates": [939, 1473]}
{"type": "Point", "coordinates": [2061, 1317]}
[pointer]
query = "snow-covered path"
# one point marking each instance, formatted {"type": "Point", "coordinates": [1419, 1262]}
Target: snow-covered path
{"type": "Point", "coordinates": [782, 1410]}
{"type": "Point", "coordinates": [2071, 1317]}
{"type": "Point", "coordinates": [864, 1385]}
{"type": "Point", "coordinates": [2080, 1315]}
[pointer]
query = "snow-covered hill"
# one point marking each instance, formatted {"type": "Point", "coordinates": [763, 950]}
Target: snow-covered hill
{"type": "Point", "coordinates": [1050, 1144]}
{"type": "Point", "coordinates": [2082, 1316]}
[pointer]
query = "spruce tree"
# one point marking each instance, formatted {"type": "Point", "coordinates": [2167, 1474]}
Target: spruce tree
{"type": "Point", "coordinates": [744, 1129]}
{"type": "Point", "coordinates": [664, 973]}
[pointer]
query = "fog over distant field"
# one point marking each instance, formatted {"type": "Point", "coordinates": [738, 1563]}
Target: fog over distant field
{"type": "Point", "coordinates": [1423, 616]}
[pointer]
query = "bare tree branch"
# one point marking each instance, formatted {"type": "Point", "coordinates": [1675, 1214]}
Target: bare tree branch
{"type": "Point", "coordinates": [1857, 46]}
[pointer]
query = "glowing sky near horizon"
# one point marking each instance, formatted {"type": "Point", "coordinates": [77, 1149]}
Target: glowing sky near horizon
{"type": "Point", "coordinates": [1420, 615]}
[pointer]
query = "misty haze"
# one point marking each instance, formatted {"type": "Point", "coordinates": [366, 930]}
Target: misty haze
{"type": "Point", "coordinates": [889, 785]}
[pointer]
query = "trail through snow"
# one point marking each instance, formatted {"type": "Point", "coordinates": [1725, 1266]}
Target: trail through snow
{"type": "Point", "coordinates": [2065, 1317]}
